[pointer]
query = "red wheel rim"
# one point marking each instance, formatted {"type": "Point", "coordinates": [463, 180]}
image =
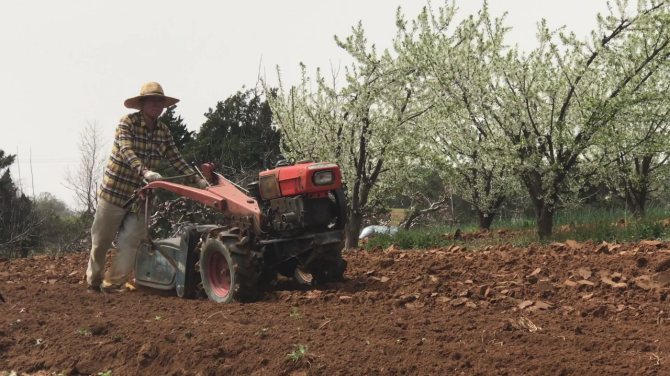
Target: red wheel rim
{"type": "Point", "coordinates": [219, 274]}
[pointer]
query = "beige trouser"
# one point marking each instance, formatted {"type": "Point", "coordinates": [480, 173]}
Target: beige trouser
{"type": "Point", "coordinates": [109, 219]}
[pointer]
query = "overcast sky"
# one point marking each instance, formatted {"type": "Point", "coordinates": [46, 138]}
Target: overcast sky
{"type": "Point", "coordinates": [64, 62]}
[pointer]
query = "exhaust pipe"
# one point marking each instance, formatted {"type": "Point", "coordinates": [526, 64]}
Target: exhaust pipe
{"type": "Point", "coordinates": [289, 217]}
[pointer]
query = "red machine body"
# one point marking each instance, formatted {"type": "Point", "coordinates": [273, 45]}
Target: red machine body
{"type": "Point", "coordinates": [289, 222]}
{"type": "Point", "coordinates": [301, 179]}
{"type": "Point", "coordinates": [223, 196]}
{"type": "Point", "coordinates": [298, 179]}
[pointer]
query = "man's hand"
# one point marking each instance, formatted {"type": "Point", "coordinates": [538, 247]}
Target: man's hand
{"type": "Point", "coordinates": [152, 176]}
{"type": "Point", "coordinates": [202, 183]}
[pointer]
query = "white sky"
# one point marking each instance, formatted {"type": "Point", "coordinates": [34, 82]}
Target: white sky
{"type": "Point", "coordinates": [65, 62]}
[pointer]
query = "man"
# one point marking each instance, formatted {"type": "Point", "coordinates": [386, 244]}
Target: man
{"type": "Point", "coordinates": [141, 141]}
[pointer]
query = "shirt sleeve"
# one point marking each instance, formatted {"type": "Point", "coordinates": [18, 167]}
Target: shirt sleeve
{"type": "Point", "coordinates": [174, 157]}
{"type": "Point", "coordinates": [125, 138]}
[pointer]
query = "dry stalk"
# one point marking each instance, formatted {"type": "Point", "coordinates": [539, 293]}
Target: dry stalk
{"type": "Point", "coordinates": [524, 323]}
{"type": "Point", "coordinates": [210, 316]}
{"type": "Point", "coordinates": [324, 324]}
{"type": "Point", "coordinates": [658, 360]}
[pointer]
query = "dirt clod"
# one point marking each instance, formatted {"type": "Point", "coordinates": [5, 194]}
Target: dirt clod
{"type": "Point", "coordinates": [458, 302]}
{"type": "Point", "coordinates": [584, 282]}
{"type": "Point", "coordinates": [99, 330]}
{"type": "Point", "coordinates": [585, 273]}
{"type": "Point", "coordinates": [148, 352]}
{"type": "Point", "coordinates": [663, 265]}
{"type": "Point", "coordinates": [603, 248]}
{"type": "Point", "coordinates": [570, 283]}
{"type": "Point", "coordinates": [573, 244]}
{"type": "Point", "coordinates": [600, 311]}
{"type": "Point", "coordinates": [525, 304]}
{"type": "Point", "coordinates": [544, 286]}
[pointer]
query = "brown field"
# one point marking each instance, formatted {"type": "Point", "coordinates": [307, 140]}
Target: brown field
{"type": "Point", "coordinates": [567, 309]}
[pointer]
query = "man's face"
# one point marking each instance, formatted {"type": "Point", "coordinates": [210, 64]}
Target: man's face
{"type": "Point", "coordinates": [153, 106]}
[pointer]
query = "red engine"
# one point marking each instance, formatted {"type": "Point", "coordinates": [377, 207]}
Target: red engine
{"type": "Point", "coordinates": [302, 197]}
{"type": "Point", "coordinates": [303, 178]}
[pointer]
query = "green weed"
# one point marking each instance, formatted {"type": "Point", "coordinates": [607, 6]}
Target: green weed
{"type": "Point", "coordinates": [297, 354]}
{"type": "Point", "coordinates": [295, 313]}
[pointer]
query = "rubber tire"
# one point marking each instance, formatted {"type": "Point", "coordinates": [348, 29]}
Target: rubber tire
{"type": "Point", "coordinates": [243, 279]}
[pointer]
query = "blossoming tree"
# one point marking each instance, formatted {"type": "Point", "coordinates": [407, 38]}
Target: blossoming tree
{"type": "Point", "coordinates": [366, 127]}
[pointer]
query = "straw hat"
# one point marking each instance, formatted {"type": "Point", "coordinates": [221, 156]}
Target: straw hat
{"type": "Point", "coordinates": [151, 89]}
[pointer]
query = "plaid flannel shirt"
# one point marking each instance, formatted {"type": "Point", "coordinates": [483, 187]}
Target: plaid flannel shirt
{"type": "Point", "coordinates": [135, 149]}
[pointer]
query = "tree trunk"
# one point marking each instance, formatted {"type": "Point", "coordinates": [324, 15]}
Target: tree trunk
{"type": "Point", "coordinates": [485, 219]}
{"type": "Point", "coordinates": [544, 214]}
{"type": "Point", "coordinates": [353, 230]}
{"type": "Point", "coordinates": [410, 219]}
{"type": "Point", "coordinates": [640, 204]}
{"type": "Point", "coordinates": [545, 221]}
{"type": "Point", "coordinates": [636, 200]}
{"type": "Point", "coordinates": [639, 189]}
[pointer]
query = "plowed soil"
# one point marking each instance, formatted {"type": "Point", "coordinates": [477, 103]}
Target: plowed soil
{"type": "Point", "coordinates": [558, 310]}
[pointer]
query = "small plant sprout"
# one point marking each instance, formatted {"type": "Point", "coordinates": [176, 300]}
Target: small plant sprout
{"type": "Point", "coordinates": [295, 313]}
{"type": "Point", "coordinates": [84, 332]}
{"type": "Point", "coordinates": [298, 353]}
{"type": "Point", "coordinates": [188, 335]}
{"type": "Point", "coordinates": [39, 341]}
{"type": "Point", "coordinates": [263, 331]}
{"type": "Point", "coordinates": [108, 373]}
{"type": "Point", "coordinates": [118, 338]}
{"type": "Point", "coordinates": [159, 318]}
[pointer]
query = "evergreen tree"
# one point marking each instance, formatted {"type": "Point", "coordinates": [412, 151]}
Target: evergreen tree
{"type": "Point", "coordinates": [16, 221]}
{"type": "Point", "coordinates": [177, 127]}
{"type": "Point", "coordinates": [238, 137]}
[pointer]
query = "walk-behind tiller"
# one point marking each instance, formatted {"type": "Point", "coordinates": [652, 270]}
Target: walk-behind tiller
{"type": "Point", "coordinates": [290, 222]}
